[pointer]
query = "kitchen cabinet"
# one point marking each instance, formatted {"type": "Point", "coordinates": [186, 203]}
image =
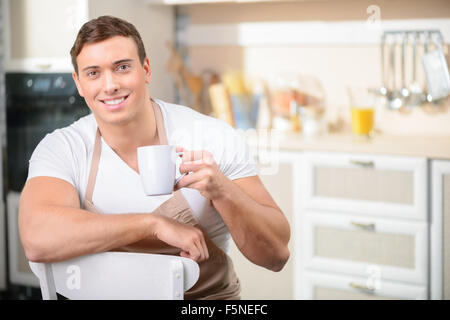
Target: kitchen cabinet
{"type": "Point", "coordinates": [385, 186]}
{"type": "Point", "coordinates": [359, 245]}
{"type": "Point", "coordinates": [370, 219]}
{"type": "Point", "coordinates": [362, 219]}
{"type": "Point", "coordinates": [277, 171]}
{"type": "Point", "coordinates": [39, 34]}
{"type": "Point", "coordinates": [326, 286]}
{"type": "Point", "coordinates": [346, 243]}
{"type": "Point", "coordinates": [440, 230]}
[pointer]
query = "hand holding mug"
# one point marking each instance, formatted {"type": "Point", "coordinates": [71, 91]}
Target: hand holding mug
{"type": "Point", "coordinates": [204, 174]}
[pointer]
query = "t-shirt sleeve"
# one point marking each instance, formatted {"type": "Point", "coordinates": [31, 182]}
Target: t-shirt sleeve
{"type": "Point", "coordinates": [236, 160]}
{"type": "Point", "coordinates": [53, 158]}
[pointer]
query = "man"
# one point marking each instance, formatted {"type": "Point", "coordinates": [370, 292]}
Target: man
{"type": "Point", "coordinates": [83, 194]}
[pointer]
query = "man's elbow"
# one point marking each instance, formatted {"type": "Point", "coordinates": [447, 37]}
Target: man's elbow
{"type": "Point", "coordinates": [34, 250]}
{"type": "Point", "coordinates": [32, 253]}
{"type": "Point", "coordinates": [281, 260]}
{"type": "Point", "coordinates": [34, 256]}
{"type": "Point", "coordinates": [282, 254]}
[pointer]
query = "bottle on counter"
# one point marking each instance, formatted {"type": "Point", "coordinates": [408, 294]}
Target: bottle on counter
{"type": "Point", "coordinates": [294, 116]}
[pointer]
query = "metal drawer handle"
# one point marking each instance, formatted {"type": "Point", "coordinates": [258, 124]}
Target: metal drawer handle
{"type": "Point", "coordinates": [365, 164]}
{"type": "Point", "coordinates": [366, 226]}
{"type": "Point", "coordinates": [361, 287]}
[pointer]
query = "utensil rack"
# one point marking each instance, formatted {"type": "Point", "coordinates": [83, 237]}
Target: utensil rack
{"type": "Point", "coordinates": [402, 93]}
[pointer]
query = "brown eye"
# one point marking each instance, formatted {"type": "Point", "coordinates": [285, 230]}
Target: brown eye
{"type": "Point", "coordinates": [123, 67]}
{"type": "Point", "coordinates": [92, 74]}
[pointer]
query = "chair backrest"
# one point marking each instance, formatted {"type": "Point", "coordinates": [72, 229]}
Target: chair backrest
{"type": "Point", "coordinates": [117, 275]}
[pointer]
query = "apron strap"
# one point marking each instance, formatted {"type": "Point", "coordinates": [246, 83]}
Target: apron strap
{"type": "Point", "coordinates": [159, 124]}
{"type": "Point", "coordinates": [98, 149]}
{"type": "Point", "coordinates": [94, 167]}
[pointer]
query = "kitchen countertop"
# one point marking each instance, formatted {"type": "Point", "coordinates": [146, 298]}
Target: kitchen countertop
{"type": "Point", "coordinates": [433, 147]}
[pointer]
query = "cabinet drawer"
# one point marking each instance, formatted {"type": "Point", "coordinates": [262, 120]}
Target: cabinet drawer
{"type": "Point", "coordinates": [385, 186]}
{"type": "Point", "coordinates": [328, 286]}
{"type": "Point", "coordinates": [356, 245]}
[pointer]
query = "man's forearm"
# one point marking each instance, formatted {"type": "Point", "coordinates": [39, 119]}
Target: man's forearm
{"type": "Point", "coordinates": [60, 233]}
{"type": "Point", "coordinates": [260, 232]}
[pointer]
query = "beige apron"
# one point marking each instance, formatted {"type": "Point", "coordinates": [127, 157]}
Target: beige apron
{"type": "Point", "coordinates": [217, 279]}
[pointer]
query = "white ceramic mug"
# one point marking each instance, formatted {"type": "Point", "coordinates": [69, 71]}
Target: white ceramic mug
{"type": "Point", "coordinates": [157, 168]}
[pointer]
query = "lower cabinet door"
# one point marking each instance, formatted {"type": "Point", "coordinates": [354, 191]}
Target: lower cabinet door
{"type": "Point", "coordinates": [327, 286]}
{"type": "Point", "coordinates": [391, 249]}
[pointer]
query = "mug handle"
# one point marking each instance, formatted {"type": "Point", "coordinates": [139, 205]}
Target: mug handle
{"type": "Point", "coordinates": [180, 154]}
{"type": "Point", "coordinates": [179, 178]}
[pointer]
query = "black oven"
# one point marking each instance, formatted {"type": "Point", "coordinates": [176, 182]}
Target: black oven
{"type": "Point", "coordinates": [36, 104]}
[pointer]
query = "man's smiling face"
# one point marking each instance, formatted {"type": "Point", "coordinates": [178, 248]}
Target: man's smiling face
{"type": "Point", "coordinates": [112, 79]}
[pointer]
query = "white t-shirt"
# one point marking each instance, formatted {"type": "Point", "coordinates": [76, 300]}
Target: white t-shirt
{"type": "Point", "coordinates": [67, 153]}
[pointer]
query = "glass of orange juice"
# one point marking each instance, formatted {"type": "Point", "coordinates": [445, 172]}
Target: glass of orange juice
{"type": "Point", "coordinates": [362, 105]}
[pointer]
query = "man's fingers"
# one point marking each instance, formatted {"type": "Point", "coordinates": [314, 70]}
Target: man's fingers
{"type": "Point", "coordinates": [180, 149]}
{"type": "Point", "coordinates": [194, 155]}
{"type": "Point", "coordinates": [189, 167]}
{"type": "Point", "coordinates": [189, 239]}
{"type": "Point", "coordinates": [197, 251]}
{"type": "Point", "coordinates": [193, 166]}
{"type": "Point", "coordinates": [187, 180]}
{"type": "Point", "coordinates": [205, 248]}
{"type": "Point", "coordinates": [185, 254]}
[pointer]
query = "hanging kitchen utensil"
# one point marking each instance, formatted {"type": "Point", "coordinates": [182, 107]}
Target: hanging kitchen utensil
{"type": "Point", "coordinates": [436, 71]}
{"type": "Point", "coordinates": [404, 90]}
{"type": "Point", "coordinates": [415, 96]}
{"type": "Point", "coordinates": [425, 96]}
{"type": "Point", "coordinates": [383, 89]}
{"type": "Point", "coordinates": [394, 96]}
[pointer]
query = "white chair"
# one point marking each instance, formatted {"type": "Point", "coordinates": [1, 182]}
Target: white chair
{"type": "Point", "coordinates": [117, 276]}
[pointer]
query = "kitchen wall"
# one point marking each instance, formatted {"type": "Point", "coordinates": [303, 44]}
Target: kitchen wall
{"type": "Point", "coordinates": [336, 64]}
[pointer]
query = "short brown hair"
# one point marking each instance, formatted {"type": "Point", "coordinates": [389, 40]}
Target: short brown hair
{"type": "Point", "coordinates": [103, 28]}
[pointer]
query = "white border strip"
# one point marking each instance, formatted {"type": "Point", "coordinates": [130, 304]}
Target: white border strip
{"type": "Point", "coordinates": [295, 33]}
